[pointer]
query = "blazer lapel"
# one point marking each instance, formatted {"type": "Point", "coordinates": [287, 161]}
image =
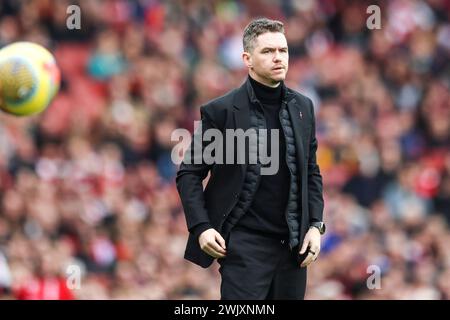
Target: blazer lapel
{"type": "Point", "coordinates": [296, 113]}
{"type": "Point", "coordinates": [241, 112]}
{"type": "Point", "coordinates": [242, 117]}
{"type": "Point", "coordinates": [241, 107]}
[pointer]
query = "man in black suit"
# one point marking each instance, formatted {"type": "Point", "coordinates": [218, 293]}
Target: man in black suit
{"type": "Point", "coordinates": [262, 225]}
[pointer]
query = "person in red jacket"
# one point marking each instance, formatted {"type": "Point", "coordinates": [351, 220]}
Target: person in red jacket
{"type": "Point", "coordinates": [46, 283]}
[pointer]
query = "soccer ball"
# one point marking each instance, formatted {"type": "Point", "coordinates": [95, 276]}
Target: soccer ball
{"type": "Point", "coordinates": [29, 78]}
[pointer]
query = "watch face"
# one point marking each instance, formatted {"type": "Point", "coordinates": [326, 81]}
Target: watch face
{"type": "Point", "coordinates": [321, 227]}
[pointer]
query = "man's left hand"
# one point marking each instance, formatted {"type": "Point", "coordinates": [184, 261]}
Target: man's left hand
{"type": "Point", "coordinates": [312, 243]}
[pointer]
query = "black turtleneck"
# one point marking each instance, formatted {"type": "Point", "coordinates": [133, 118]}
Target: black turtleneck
{"type": "Point", "coordinates": [265, 94]}
{"type": "Point", "coordinates": [267, 211]}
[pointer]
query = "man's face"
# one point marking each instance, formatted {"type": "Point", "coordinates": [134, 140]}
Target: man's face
{"type": "Point", "coordinates": [268, 62]}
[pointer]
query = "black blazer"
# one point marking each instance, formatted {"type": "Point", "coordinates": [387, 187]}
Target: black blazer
{"type": "Point", "coordinates": [213, 204]}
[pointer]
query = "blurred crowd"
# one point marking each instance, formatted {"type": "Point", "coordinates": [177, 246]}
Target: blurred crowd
{"type": "Point", "coordinates": [88, 203]}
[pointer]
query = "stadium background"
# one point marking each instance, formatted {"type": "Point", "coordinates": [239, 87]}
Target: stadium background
{"type": "Point", "coordinates": [90, 182]}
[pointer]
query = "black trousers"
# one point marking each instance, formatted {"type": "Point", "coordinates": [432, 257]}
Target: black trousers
{"type": "Point", "coordinates": [259, 267]}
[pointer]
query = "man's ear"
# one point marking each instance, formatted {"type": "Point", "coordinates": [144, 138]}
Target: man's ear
{"type": "Point", "coordinates": [247, 58]}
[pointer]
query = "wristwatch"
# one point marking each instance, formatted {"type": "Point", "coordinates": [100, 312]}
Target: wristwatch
{"type": "Point", "coordinates": [319, 225]}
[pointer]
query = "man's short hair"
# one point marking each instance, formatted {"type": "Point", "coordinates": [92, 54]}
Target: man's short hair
{"type": "Point", "coordinates": [258, 27]}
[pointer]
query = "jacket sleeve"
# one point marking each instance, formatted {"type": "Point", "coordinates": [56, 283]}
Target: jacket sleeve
{"type": "Point", "coordinates": [192, 171]}
{"type": "Point", "coordinates": [315, 187]}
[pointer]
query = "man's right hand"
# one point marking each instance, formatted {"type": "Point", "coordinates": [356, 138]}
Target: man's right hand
{"type": "Point", "coordinates": [212, 243]}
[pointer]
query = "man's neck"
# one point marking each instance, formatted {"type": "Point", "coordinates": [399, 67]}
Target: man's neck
{"type": "Point", "coordinates": [265, 93]}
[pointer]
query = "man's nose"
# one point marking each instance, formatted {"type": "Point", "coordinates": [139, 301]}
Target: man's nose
{"type": "Point", "coordinates": [276, 56]}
